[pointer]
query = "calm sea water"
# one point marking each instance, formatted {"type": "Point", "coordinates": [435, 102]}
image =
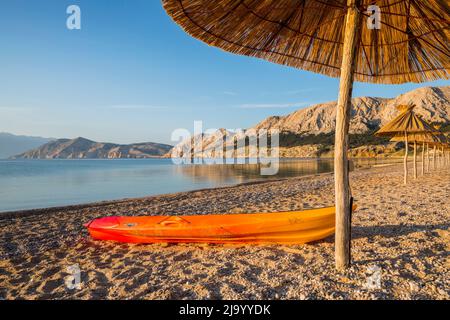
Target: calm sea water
{"type": "Point", "coordinates": [28, 184]}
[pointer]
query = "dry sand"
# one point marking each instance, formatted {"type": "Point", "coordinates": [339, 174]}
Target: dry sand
{"type": "Point", "coordinates": [401, 234]}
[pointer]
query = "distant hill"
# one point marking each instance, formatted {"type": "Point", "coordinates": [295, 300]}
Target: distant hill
{"type": "Point", "coordinates": [11, 144]}
{"type": "Point", "coordinates": [81, 148]}
{"type": "Point", "coordinates": [309, 132]}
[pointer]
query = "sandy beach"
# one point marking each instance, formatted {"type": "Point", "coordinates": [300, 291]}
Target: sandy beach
{"type": "Point", "coordinates": [400, 248]}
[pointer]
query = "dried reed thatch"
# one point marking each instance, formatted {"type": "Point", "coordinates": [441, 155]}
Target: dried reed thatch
{"type": "Point", "coordinates": [410, 46]}
{"type": "Point", "coordinates": [406, 122]}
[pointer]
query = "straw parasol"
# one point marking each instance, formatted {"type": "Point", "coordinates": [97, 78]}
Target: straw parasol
{"type": "Point", "coordinates": [447, 148]}
{"type": "Point", "coordinates": [442, 142]}
{"type": "Point", "coordinates": [406, 123]}
{"type": "Point", "coordinates": [408, 43]}
{"type": "Point", "coordinates": [427, 139]}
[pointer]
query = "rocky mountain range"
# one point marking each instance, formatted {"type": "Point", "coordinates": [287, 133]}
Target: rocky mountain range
{"type": "Point", "coordinates": [368, 113]}
{"type": "Point", "coordinates": [308, 132]}
{"type": "Point", "coordinates": [81, 148]}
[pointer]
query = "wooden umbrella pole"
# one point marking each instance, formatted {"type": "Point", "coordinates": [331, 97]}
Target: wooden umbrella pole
{"type": "Point", "coordinates": [428, 158]}
{"type": "Point", "coordinates": [405, 160]}
{"type": "Point", "coordinates": [415, 159]}
{"type": "Point", "coordinates": [423, 158]}
{"type": "Point", "coordinates": [442, 157]}
{"type": "Point", "coordinates": [341, 175]}
{"type": "Point", "coordinates": [439, 158]}
{"type": "Point", "coordinates": [434, 157]}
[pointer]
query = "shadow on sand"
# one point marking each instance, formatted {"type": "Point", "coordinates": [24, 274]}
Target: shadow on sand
{"type": "Point", "coordinates": [393, 231]}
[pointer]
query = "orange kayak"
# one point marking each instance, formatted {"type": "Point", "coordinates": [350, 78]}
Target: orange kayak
{"type": "Point", "coordinates": [281, 227]}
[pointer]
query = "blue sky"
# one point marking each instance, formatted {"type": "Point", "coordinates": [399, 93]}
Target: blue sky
{"type": "Point", "coordinates": [130, 74]}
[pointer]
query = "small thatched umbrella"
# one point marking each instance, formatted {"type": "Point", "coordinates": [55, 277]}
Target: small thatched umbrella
{"type": "Point", "coordinates": [442, 145]}
{"type": "Point", "coordinates": [406, 124]}
{"type": "Point", "coordinates": [442, 141]}
{"type": "Point", "coordinates": [407, 43]}
{"type": "Point", "coordinates": [426, 139]}
{"type": "Point", "coordinates": [447, 149]}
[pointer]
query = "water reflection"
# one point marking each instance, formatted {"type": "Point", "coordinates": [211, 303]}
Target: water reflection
{"type": "Point", "coordinates": [225, 174]}
{"type": "Point", "coordinates": [238, 173]}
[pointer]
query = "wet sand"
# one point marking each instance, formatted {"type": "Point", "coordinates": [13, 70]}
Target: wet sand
{"type": "Point", "coordinates": [400, 249]}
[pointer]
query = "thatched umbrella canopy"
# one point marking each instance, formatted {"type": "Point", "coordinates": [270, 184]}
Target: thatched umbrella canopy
{"type": "Point", "coordinates": [410, 46]}
{"type": "Point", "coordinates": [407, 123]}
{"type": "Point", "coordinates": [407, 43]}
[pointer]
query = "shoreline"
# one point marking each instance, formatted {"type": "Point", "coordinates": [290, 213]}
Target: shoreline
{"type": "Point", "coordinates": [402, 231]}
{"type": "Point", "coordinates": [385, 156]}
{"type": "Point", "coordinates": [45, 210]}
